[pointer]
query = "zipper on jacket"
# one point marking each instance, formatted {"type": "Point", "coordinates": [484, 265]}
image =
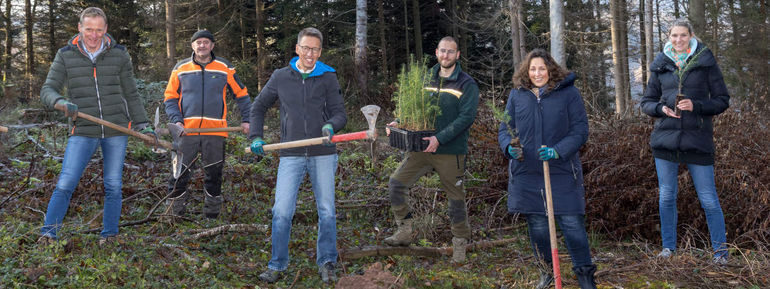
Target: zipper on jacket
{"type": "Point", "coordinates": [98, 96]}
{"type": "Point", "coordinates": [203, 91]}
{"type": "Point", "coordinates": [304, 115]}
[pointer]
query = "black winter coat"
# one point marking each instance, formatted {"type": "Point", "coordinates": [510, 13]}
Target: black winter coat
{"type": "Point", "coordinates": [689, 139]}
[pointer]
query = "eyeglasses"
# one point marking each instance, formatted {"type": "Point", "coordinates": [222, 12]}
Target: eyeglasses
{"type": "Point", "coordinates": [306, 49]}
{"type": "Point", "coordinates": [446, 51]}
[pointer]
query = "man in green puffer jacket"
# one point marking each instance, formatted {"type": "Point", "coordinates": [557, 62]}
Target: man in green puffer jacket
{"type": "Point", "coordinates": [99, 78]}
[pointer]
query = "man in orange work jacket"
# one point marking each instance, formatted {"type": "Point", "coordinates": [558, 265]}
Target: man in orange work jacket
{"type": "Point", "coordinates": [196, 98]}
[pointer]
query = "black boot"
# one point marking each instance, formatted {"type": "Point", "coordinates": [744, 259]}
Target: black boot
{"type": "Point", "coordinates": [585, 276]}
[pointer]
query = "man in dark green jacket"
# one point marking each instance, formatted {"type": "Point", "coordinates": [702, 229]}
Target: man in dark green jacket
{"type": "Point", "coordinates": [99, 78]}
{"type": "Point", "coordinates": [458, 97]}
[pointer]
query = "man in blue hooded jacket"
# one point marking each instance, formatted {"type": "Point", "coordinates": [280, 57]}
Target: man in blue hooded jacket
{"type": "Point", "coordinates": [311, 106]}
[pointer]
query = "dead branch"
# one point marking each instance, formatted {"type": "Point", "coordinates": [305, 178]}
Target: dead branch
{"type": "Point", "coordinates": [369, 251]}
{"type": "Point", "coordinates": [240, 228]}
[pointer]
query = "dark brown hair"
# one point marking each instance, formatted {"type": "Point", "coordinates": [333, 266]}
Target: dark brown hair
{"type": "Point", "coordinates": [555, 72]}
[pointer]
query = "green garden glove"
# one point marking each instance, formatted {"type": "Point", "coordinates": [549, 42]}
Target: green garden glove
{"type": "Point", "coordinates": [328, 131]}
{"type": "Point", "coordinates": [72, 109]}
{"type": "Point", "coordinates": [256, 146]}
{"type": "Point", "coordinates": [514, 152]}
{"type": "Point", "coordinates": [547, 154]}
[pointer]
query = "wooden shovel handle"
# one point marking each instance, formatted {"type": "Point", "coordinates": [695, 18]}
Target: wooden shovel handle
{"type": "Point", "coordinates": [125, 130]}
{"type": "Point", "coordinates": [3, 129]}
{"type": "Point", "coordinates": [313, 141]}
{"type": "Point", "coordinates": [551, 224]}
{"type": "Point", "coordinates": [214, 129]}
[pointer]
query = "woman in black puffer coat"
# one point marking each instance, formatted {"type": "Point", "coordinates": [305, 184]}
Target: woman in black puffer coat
{"type": "Point", "coordinates": [687, 136]}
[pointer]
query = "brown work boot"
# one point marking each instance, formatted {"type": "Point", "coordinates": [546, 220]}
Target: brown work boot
{"type": "Point", "coordinates": [458, 249]}
{"type": "Point", "coordinates": [403, 235]}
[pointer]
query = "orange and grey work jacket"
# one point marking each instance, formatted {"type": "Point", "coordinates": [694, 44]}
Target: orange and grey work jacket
{"type": "Point", "coordinates": [196, 94]}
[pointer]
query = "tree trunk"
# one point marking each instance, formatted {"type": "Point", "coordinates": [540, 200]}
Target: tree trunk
{"type": "Point", "coordinates": [8, 40]}
{"type": "Point", "coordinates": [698, 16]}
{"type": "Point", "coordinates": [52, 29]}
{"type": "Point", "coordinates": [643, 42]}
{"type": "Point", "coordinates": [626, 73]}
{"type": "Point", "coordinates": [617, 56]}
{"type": "Point", "coordinates": [715, 26]}
{"type": "Point", "coordinates": [360, 50]}
{"type": "Point", "coordinates": [515, 7]}
{"type": "Point", "coordinates": [557, 32]}
{"type": "Point", "coordinates": [260, 43]}
{"type": "Point", "coordinates": [383, 43]}
{"type": "Point", "coordinates": [522, 33]}
{"type": "Point", "coordinates": [648, 38]}
{"type": "Point", "coordinates": [417, 29]}
{"type": "Point", "coordinates": [406, 27]}
{"type": "Point", "coordinates": [30, 61]}
{"type": "Point", "coordinates": [661, 39]}
{"type": "Point", "coordinates": [170, 33]}
{"type": "Point", "coordinates": [676, 8]}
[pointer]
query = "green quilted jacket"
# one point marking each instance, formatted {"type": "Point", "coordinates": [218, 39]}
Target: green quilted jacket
{"type": "Point", "coordinates": [103, 88]}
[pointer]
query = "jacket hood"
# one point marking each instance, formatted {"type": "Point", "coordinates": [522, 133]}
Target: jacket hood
{"type": "Point", "coordinates": [664, 63]}
{"type": "Point", "coordinates": [320, 67]}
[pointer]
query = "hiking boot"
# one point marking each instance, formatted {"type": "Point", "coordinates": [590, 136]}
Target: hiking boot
{"type": "Point", "coordinates": [585, 276]}
{"type": "Point", "coordinates": [403, 235]}
{"type": "Point", "coordinates": [665, 253]}
{"type": "Point", "coordinates": [212, 205]}
{"type": "Point", "coordinates": [458, 249]}
{"type": "Point", "coordinates": [545, 281]}
{"type": "Point", "coordinates": [328, 272]}
{"type": "Point", "coordinates": [45, 241]}
{"type": "Point", "coordinates": [270, 276]}
{"type": "Point", "coordinates": [108, 241]}
{"type": "Point", "coordinates": [719, 260]}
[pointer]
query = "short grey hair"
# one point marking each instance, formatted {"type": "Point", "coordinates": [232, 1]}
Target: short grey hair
{"type": "Point", "coordinates": [310, 31]}
{"type": "Point", "coordinates": [681, 22]}
{"type": "Point", "coordinates": [93, 12]}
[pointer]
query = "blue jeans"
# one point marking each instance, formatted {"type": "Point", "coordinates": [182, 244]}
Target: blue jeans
{"type": "Point", "coordinates": [291, 172]}
{"type": "Point", "coordinates": [575, 236]}
{"type": "Point", "coordinates": [76, 157]}
{"type": "Point", "coordinates": [703, 179]}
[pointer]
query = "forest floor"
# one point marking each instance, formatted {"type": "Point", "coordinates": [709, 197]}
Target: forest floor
{"type": "Point", "coordinates": [154, 252]}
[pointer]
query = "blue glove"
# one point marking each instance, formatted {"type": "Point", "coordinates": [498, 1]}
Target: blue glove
{"type": "Point", "coordinates": [72, 109]}
{"type": "Point", "coordinates": [328, 131]}
{"type": "Point", "coordinates": [514, 152]}
{"type": "Point", "coordinates": [256, 146]}
{"type": "Point", "coordinates": [547, 154]}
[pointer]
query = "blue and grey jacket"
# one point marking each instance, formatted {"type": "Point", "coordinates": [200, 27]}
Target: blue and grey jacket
{"type": "Point", "coordinates": [305, 106]}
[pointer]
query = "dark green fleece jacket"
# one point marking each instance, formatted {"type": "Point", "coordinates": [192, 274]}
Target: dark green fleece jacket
{"type": "Point", "coordinates": [104, 88]}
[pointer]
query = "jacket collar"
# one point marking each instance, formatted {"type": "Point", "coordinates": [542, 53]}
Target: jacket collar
{"type": "Point", "coordinates": [453, 77]}
{"type": "Point", "coordinates": [108, 41]}
{"type": "Point", "coordinates": [320, 67]}
{"type": "Point", "coordinates": [663, 63]}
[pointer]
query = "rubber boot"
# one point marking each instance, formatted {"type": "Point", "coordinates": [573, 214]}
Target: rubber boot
{"type": "Point", "coordinates": [403, 235]}
{"type": "Point", "coordinates": [585, 276]}
{"type": "Point", "coordinates": [458, 249]}
{"type": "Point", "coordinates": [212, 205]}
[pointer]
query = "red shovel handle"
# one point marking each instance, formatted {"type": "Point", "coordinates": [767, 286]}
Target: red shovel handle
{"type": "Point", "coordinates": [349, 136]}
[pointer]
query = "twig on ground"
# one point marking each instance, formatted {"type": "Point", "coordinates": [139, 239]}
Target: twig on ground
{"type": "Point", "coordinates": [241, 228]}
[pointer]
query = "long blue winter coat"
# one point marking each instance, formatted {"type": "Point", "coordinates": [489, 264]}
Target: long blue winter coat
{"type": "Point", "coordinates": [689, 139]}
{"type": "Point", "coordinates": [558, 120]}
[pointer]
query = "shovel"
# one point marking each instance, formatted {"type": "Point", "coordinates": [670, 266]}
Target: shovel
{"type": "Point", "coordinates": [551, 225]}
{"type": "Point", "coordinates": [176, 157]}
{"type": "Point", "coordinates": [370, 112]}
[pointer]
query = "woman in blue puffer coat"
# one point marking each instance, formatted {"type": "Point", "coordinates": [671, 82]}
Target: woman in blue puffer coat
{"type": "Point", "coordinates": [546, 109]}
{"type": "Point", "coordinates": [686, 137]}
